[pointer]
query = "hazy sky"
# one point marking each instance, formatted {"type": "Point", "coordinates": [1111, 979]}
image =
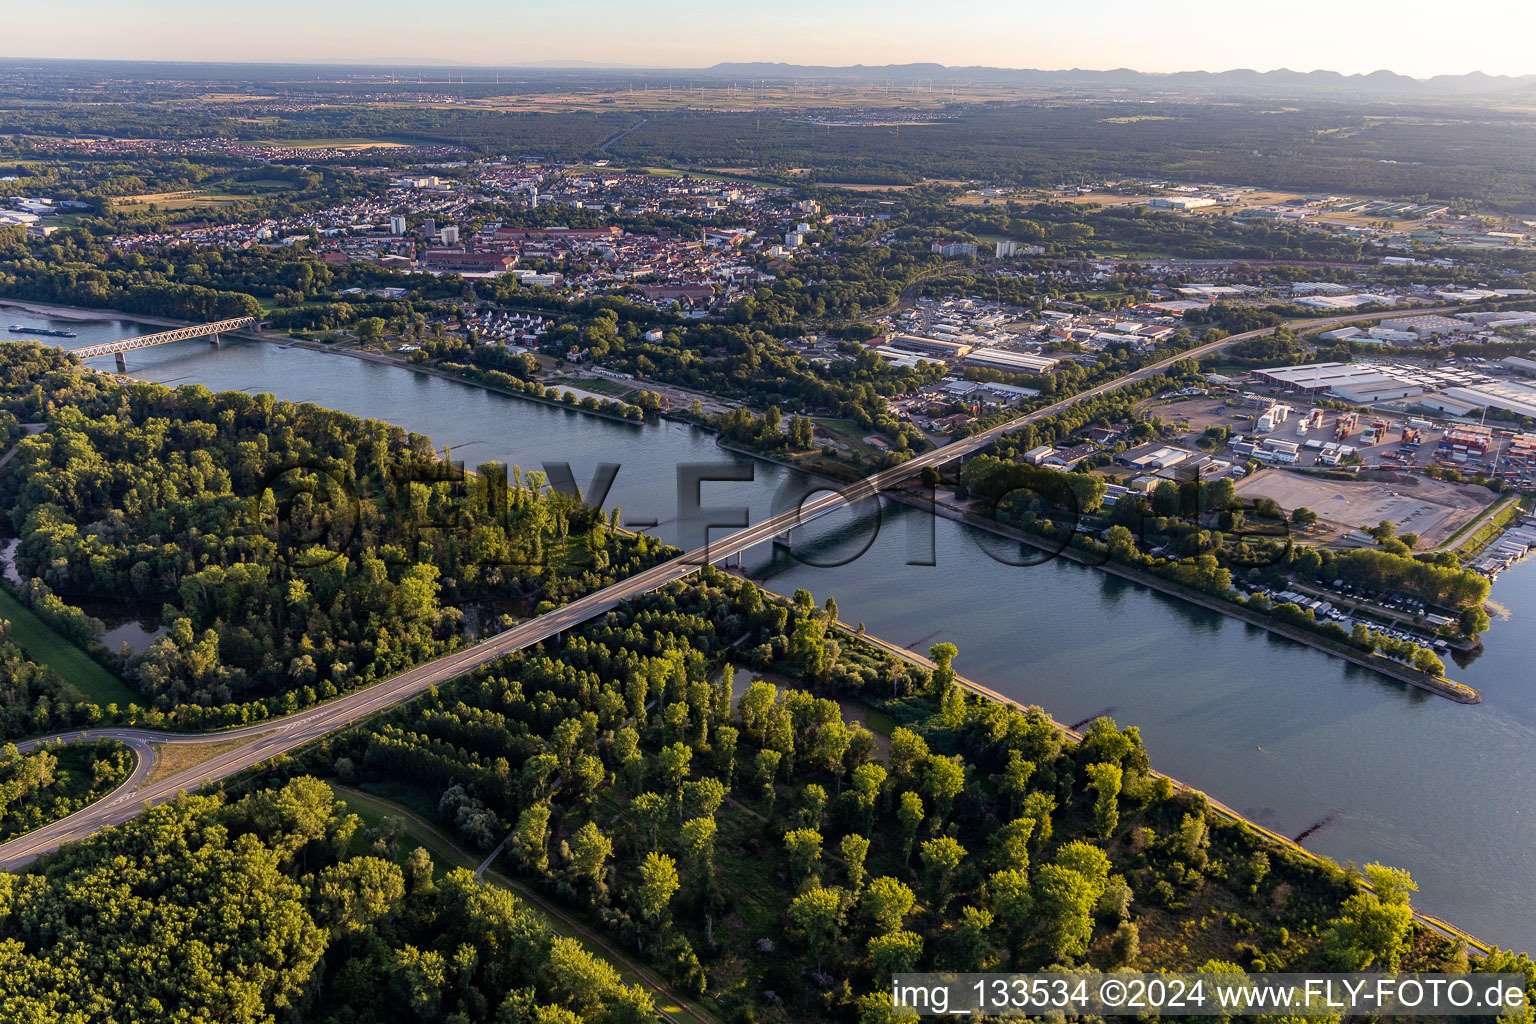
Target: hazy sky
{"type": "Point", "coordinates": [1409, 36]}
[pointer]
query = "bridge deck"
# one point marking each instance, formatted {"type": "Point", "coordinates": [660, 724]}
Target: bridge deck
{"type": "Point", "coordinates": [179, 334]}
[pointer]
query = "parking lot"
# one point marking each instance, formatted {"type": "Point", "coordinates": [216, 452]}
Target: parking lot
{"type": "Point", "coordinates": [1240, 417]}
{"type": "Point", "coordinates": [1433, 509]}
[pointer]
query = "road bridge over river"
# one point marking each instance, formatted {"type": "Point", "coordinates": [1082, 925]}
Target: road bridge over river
{"type": "Point", "coordinates": [271, 739]}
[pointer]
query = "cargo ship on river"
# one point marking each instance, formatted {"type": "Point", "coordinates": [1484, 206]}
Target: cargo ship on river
{"type": "Point", "coordinates": [44, 331]}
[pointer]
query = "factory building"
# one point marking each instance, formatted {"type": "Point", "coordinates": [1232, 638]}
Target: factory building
{"type": "Point", "coordinates": [1368, 392]}
{"type": "Point", "coordinates": [1183, 204]}
{"type": "Point", "coordinates": [911, 343]}
{"type": "Point", "coordinates": [1010, 362]}
{"type": "Point", "coordinates": [1517, 397]}
{"type": "Point", "coordinates": [1327, 378]}
{"type": "Point", "coordinates": [1429, 325]}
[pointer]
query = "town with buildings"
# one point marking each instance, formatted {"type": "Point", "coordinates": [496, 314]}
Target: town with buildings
{"type": "Point", "coordinates": [417, 477]}
{"type": "Point", "coordinates": [432, 223]}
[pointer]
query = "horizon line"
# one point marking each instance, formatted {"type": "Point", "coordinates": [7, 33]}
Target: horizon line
{"type": "Point", "coordinates": [581, 64]}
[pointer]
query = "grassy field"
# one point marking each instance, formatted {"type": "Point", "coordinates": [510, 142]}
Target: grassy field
{"type": "Point", "coordinates": [82, 675]}
{"type": "Point", "coordinates": [713, 174]}
{"type": "Point", "coordinates": [600, 385]}
{"type": "Point", "coordinates": [174, 758]}
{"type": "Point", "coordinates": [374, 809]}
{"type": "Point", "coordinates": [233, 97]}
{"type": "Point", "coordinates": [270, 303]}
{"type": "Point", "coordinates": [174, 201]}
{"type": "Point", "coordinates": [199, 198]}
{"type": "Point", "coordinates": [733, 175]}
{"type": "Point", "coordinates": [848, 432]}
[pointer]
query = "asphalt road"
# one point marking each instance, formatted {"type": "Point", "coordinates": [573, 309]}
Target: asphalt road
{"type": "Point", "coordinates": [271, 739]}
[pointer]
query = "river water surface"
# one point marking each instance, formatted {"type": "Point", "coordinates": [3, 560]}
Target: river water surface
{"type": "Point", "coordinates": [1284, 734]}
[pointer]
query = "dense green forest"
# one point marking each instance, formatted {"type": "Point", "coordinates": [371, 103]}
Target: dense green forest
{"type": "Point", "coordinates": [1326, 147]}
{"type": "Point", "coordinates": [749, 838]}
{"type": "Point", "coordinates": [1449, 150]}
{"type": "Point", "coordinates": [685, 774]}
{"type": "Point", "coordinates": [745, 838]}
{"type": "Point", "coordinates": [281, 906]}
{"type": "Point", "coordinates": [53, 782]}
{"type": "Point", "coordinates": [291, 551]}
{"type": "Point", "coordinates": [1316, 146]}
{"type": "Point", "coordinates": [565, 136]}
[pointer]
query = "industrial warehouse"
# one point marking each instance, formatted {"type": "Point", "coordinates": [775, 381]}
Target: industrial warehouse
{"type": "Point", "coordinates": [1456, 391]}
{"type": "Point", "coordinates": [1010, 361]}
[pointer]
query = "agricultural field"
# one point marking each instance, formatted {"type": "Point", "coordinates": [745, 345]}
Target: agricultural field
{"type": "Point", "coordinates": [231, 97]}
{"type": "Point", "coordinates": [211, 198]}
{"type": "Point", "coordinates": [175, 202]}
{"type": "Point", "coordinates": [748, 95]}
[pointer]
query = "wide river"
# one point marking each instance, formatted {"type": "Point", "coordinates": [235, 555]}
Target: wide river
{"type": "Point", "coordinates": [1284, 734]}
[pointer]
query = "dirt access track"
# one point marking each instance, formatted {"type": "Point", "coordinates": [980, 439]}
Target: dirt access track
{"type": "Point", "coordinates": [1433, 509]}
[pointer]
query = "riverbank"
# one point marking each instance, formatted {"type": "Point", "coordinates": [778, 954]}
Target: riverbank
{"type": "Point", "coordinates": [1403, 674]}
{"type": "Point", "coordinates": [389, 359]}
{"type": "Point", "coordinates": [77, 314]}
{"type": "Point", "coordinates": [1447, 688]}
{"type": "Point", "coordinates": [987, 693]}
{"type": "Point", "coordinates": [80, 315]}
{"type": "Point", "coordinates": [140, 740]}
{"type": "Point", "coordinates": [1205, 694]}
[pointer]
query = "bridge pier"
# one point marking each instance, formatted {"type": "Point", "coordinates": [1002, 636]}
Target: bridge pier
{"type": "Point", "coordinates": [213, 332]}
{"type": "Point", "coordinates": [122, 362]}
{"type": "Point", "coordinates": [781, 541]}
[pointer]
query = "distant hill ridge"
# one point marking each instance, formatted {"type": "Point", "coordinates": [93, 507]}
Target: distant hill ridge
{"type": "Point", "coordinates": [1376, 83]}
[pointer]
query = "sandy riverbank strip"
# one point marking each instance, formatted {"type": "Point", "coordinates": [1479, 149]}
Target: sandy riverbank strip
{"type": "Point", "coordinates": [75, 314]}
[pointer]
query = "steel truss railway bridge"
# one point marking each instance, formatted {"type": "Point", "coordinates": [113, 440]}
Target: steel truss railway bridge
{"type": "Point", "coordinates": [209, 331]}
{"type": "Point", "coordinates": [267, 740]}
